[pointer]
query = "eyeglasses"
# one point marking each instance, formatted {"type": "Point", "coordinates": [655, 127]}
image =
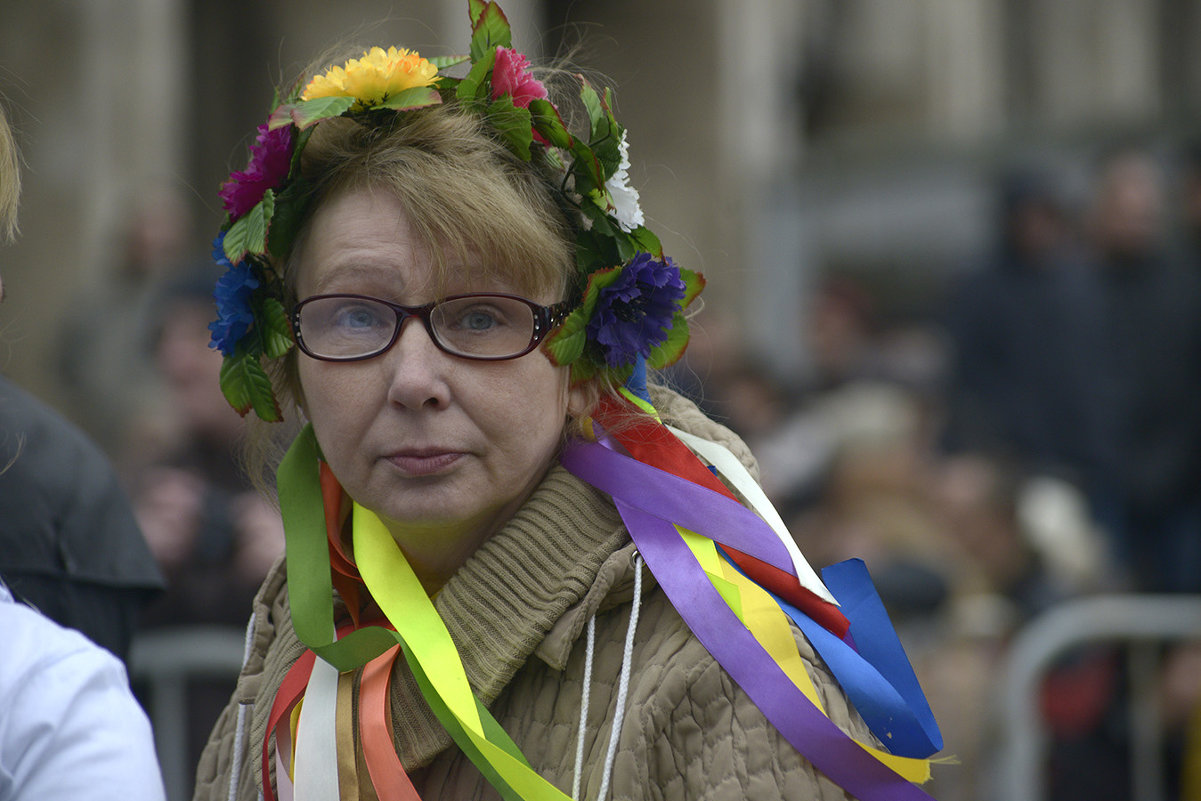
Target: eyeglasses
{"type": "Point", "coordinates": [487, 327]}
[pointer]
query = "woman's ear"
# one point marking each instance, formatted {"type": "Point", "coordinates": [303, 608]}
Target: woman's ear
{"type": "Point", "coordinates": [582, 398]}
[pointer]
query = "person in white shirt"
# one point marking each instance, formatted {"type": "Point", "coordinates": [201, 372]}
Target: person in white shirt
{"type": "Point", "coordinates": [70, 726]}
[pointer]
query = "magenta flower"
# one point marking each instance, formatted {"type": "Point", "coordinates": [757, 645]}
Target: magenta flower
{"type": "Point", "coordinates": [510, 76]}
{"type": "Point", "coordinates": [270, 159]}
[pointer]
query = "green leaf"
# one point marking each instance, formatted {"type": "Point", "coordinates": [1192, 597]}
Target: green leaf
{"type": "Point", "coordinates": [592, 102]}
{"type": "Point", "coordinates": [470, 87]}
{"type": "Point", "coordinates": [280, 116]}
{"type": "Point", "coordinates": [474, 9]}
{"type": "Point", "coordinates": [626, 248]}
{"type": "Point", "coordinates": [595, 251]}
{"type": "Point", "coordinates": [669, 351]}
{"type": "Point", "coordinates": [290, 205]}
{"type": "Point", "coordinates": [299, 140]}
{"type": "Point", "coordinates": [582, 370]}
{"type": "Point", "coordinates": [546, 121]}
{"type": "Point", "coordinates": [232, 383]}
{"type": "Point", "coordinates": [411, 98]}
{"type": "Point", "coordinates": [275, 333]}
{"type": "Point", "coordinates": [489, 29]}
{"type": "Point", "coordinates": [310, 112]}
{"type": "Point", "coordinates": [249, 233]}
{"type": "Point", "coordinates": [607, 152]}
{"type": "Point", "coordinates": [513, 124]}
{"type": "Point", "coordinates": [566, 344]}
{"type": "Point", "coordinates": [446, 62]}
{"type": "Point", "coordinates": [606, 134]}
{"type": "Point", "coordinates": [596, 207]}
{"type": "Point", "coordinates": [694, 284]}
{"type": "Point", "coordinates": [646, 240]}
{"type": "Point", "coordinates": [586, 168]}
{"type": "Point", "coordinates": [246, 386]}
{"type": "Point", "coordinates": [618, 375]}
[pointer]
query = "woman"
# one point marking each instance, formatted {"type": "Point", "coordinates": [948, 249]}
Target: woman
{"type": "Point", "coordinates": [464, 610]}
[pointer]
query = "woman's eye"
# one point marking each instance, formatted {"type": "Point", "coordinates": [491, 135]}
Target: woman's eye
{"type": "Point", "coordinates": [478, 321]}
{"type": "Point", "coordinates": [352, 317]}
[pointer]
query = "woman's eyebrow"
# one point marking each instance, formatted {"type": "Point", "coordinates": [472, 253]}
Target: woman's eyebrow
{"type": "Point", "coordinates": [376, 275]}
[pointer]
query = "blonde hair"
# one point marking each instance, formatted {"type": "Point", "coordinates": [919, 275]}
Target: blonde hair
{"type": "Point", "coordinates": [10, 180]}
{"type": "Point", "coordinates": [464, 193]}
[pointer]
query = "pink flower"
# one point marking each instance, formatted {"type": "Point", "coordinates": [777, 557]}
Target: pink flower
{"type": "Point", "coordinates": [510, 77]}
{"type": "Point", "coordinates": [270, 159]}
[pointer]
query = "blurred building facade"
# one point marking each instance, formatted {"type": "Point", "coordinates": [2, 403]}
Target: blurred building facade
{"type": "Point", "coordinates": [773, 140]}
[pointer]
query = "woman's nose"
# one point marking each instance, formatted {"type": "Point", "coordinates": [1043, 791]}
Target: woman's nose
{"type": "Point", "coordinates": [417, 369]}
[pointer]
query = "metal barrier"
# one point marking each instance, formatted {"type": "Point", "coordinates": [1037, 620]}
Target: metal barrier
{"type": "Point", "coordinates": [164, 661]}
{"type": "Point", "coordinates": [1143, 623]}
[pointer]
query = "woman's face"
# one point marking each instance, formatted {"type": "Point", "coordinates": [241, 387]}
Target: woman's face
{"type": "Point", "coordinates": [442, 448]}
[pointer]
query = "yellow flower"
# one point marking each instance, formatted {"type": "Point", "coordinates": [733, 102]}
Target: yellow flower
{"type": "Point", "coordinates": [375, 77]}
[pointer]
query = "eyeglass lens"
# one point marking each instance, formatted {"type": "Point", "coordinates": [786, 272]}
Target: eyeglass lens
{"type": "Point", "coordinates": [479, 326]}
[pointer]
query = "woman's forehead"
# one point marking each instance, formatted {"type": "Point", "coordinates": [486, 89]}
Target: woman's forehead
{"type": "Point", "coordinates": [369, 235]}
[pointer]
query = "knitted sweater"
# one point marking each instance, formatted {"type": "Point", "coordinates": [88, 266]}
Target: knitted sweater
{"type": "Point", "coordinates": [517, 610]}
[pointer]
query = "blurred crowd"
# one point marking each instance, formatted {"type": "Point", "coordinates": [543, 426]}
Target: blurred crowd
{"type": "Point", "coordinates": [1034, 437]}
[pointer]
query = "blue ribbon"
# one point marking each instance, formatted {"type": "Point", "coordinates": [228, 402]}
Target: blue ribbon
{"type": "Point", "coordinates": [636, 383]}
{"type": "Point", "coordinates": [875, 674]}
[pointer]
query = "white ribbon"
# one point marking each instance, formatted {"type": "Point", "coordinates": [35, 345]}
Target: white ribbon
{"type": "Point", "coordinates": [736, 473]}
{"type": "Point", "coordinates": [316, 776]}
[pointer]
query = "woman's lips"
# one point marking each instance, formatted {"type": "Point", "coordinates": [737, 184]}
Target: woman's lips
{"type": "Point", "coordinates": [424, 463]}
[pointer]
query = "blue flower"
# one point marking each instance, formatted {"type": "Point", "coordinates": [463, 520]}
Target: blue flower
{"type": "Point", "coordinates": [634, 313]}
{"type": "Point", "coordinates": [219, 251]}
{"type": "Point", "coordinates": [232, 293]}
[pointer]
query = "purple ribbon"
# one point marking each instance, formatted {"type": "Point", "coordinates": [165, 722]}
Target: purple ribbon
{"type": "Point", "coordinates": [715, 625]}
{"type": "Point", "coordinates": [667, 496]}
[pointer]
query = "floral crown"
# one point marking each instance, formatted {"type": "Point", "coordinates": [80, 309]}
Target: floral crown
{"type": "Point", "coordinates": [631, 310]}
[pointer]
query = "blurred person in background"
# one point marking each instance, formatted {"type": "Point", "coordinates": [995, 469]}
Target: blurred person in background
{"type": "Point", "coordinates": [796, 426]}
{"type": "Point", "coordinates": [1188, 219]}
{"type": "Point", "coordinates": [872, 499]}
{"type": "Point", "coordinates": [108, 389]}
{"type": "Point", "coordinates": [70, 545]}
{"type": "Point", "coordinates": [1146, 379]}
{"type": "Point", "coordinates": [991, 516]}
{"type": "Point", "coordinates": [70, 726]}
{"type": "Point", "coordinates": [213, 536]}
{"type": "Point", "coordinates": [841, 329]}
{"type": "Point", "coordinates": [1016, 324]}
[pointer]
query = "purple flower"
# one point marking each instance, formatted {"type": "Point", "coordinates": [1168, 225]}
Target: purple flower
{"type": "Point", "coordinates": [270, 158]}
{"type": "Point", "coordinates": [232, 294]}
{"type": "Point", "coordinates": [634, 313]}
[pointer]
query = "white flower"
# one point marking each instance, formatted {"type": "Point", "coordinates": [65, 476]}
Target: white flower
{"type": "Point", "coordinates": [624, 197]}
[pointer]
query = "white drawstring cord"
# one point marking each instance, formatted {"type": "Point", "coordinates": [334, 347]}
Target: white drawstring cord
{"type": "Point", "coordinates": [236, 759]}
{"type": "Point", "coordinates": [590, 646]}
{"type": "Point", "coordinates": [624, 685]}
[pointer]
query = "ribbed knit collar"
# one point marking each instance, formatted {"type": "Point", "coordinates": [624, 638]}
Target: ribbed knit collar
{"type": "Point", "coordinates": [500, 605]}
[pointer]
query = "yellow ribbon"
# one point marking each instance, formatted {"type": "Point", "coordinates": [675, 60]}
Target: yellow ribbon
{"type": "Point", "coordinates": [399, 593]}
{"type": "Point", "coordinates": [769, 625]}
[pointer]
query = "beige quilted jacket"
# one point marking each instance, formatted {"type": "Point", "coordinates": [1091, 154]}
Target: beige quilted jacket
{"type": "Point", "coordinates": [517, 611]}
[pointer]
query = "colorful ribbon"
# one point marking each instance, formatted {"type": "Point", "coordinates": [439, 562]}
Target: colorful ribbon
{"type": "Point", "coordinates": [654, 504]}
{"type": "Point", "coordinates": [728, 612]}
{"type": "Point", "coordinates": [421, 634]}
{"type": "Point", "coordinates": [877, 678]}
{"type": "Point", "coordinates": [650, 442]}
